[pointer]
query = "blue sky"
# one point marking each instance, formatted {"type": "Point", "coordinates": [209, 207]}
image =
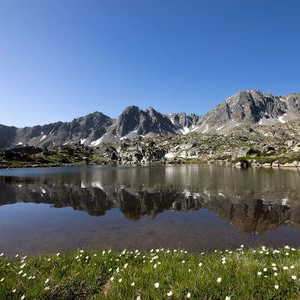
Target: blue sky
{"type": "Point", "coordinates": [62, 59]}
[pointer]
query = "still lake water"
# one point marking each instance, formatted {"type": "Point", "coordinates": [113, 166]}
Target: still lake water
{"type": "Point", "coordinates": [194, 207]}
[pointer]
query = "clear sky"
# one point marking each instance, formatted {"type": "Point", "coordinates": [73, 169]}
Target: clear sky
{"type": "Point", "coordinates": [62, 59]}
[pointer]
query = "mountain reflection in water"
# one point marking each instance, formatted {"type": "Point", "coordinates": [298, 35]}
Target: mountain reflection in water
{"type": "Point", "coordinates": [252, 200]}
{"type": "Point", "coordinates": [197, 207]}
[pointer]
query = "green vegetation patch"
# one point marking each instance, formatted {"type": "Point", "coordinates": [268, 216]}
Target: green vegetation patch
{"type": "Point", "coordinates": [159, 274]}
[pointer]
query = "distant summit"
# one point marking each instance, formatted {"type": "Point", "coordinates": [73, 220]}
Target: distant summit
{"type": "Point", "coordinates": [250, 107]}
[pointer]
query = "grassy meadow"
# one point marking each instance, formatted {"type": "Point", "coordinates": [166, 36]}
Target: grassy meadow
{"type": "Point", "coordinates": [159, 274]}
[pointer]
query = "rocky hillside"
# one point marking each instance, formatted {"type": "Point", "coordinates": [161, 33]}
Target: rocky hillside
{"type": "Point", "coordinates": [82, 130]}
{"type": "Point", "coordinates": [236, 114]}
{"type": "Point", "coordinates": [255, 144]}
{"type": "Point", "coordinates": [250, 107]}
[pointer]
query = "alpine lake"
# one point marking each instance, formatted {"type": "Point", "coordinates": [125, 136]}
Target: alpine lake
{"type": "Point", "coordinates": [192, 207]}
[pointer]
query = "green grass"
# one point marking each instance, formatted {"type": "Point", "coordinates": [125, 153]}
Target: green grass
{"type": "Point", "coordinates": [129, 275]}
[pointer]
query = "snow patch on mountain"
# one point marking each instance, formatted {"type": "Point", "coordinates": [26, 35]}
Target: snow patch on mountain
{"type": "Point", "coordinates": [97, 142]}
{"type": "Point", "coordinates": [281, 119]}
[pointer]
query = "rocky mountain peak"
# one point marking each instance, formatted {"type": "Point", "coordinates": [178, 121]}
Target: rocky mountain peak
{"type": "Point", "coordinates": [127, 121]}
{"type": "Point", "coordinates": [139, 122]}
{"type": "Point", "coordinates": [250, 107]}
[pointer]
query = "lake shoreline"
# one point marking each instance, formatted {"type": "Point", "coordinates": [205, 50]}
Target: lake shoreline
{"type": "Point", "coordinates": [229, 150]}
{"type": "Point", "coordinates": [242, 164]}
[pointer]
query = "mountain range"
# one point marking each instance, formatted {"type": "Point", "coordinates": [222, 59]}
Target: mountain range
{"type": "Point", "coordinates": [243, 108]}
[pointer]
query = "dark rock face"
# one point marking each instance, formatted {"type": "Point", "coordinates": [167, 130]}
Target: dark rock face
{"type": "Point", "coordinates": [182, 120]}
{"type": "Point", "coordinates": [134, 120]}
{"type": "Point", "coordinates": [7, 136]}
